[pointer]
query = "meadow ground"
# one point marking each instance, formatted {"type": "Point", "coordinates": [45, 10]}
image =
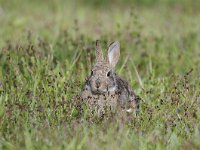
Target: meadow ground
{"type": "Point", "coordinates": [47, 49]}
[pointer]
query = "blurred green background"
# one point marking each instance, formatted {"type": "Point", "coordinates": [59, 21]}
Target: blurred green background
{"type": "Point", "coordinates": [89, 17]}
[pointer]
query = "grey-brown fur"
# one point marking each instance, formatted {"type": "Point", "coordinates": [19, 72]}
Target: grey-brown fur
{"type": "Point", "coordinates": [104, 90]}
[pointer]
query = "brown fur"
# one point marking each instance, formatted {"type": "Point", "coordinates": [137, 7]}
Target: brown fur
{"type": "Point", "coordinates": [104, 89]}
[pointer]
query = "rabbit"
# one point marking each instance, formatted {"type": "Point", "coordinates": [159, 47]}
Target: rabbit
{"type": "Point", "coordinates": [103, 88]}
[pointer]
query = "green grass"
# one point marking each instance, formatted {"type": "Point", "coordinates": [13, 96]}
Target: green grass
{"type": "Point", "coordinates": [47, 49]}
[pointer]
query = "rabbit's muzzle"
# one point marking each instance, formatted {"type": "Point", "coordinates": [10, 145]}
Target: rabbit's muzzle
{"type": "Point", "coordinates": [98, 87]}
{"type": "Point", "coordinates": [97, 84]}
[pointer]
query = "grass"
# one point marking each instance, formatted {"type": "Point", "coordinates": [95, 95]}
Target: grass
{"type": "Point", "coordinates": [47, 49]}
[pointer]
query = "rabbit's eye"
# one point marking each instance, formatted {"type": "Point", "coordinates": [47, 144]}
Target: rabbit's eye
{"type": "Point", "coordinates": [92, 73]}
{"type": "Point", "coordinates": [108, 74]}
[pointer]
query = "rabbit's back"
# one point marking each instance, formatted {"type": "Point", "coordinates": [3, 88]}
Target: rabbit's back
{"type": "Point", "coordinates": [127, 98]}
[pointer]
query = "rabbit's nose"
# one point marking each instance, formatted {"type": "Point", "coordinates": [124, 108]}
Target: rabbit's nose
{"type": "Point", "coordinates": [97, 84]}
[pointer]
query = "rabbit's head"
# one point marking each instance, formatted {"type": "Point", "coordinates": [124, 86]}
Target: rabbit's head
{"type": "Point", "coordinates": [102, 78]}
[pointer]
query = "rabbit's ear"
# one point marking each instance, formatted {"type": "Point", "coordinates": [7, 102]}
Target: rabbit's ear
{"type": "Point", "coordinates": [99, 54]}
{"type": "Point", "coordinates": [113, 53]}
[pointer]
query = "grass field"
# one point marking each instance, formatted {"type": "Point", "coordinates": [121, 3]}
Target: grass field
{"type": "Point", "coordinates": [47, 49]}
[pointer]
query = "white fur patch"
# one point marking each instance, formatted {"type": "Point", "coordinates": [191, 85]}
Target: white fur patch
{"type": "Point", "coordinates": [129, 110]}
{"type": "Point", "coordinates": [112, 89]}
